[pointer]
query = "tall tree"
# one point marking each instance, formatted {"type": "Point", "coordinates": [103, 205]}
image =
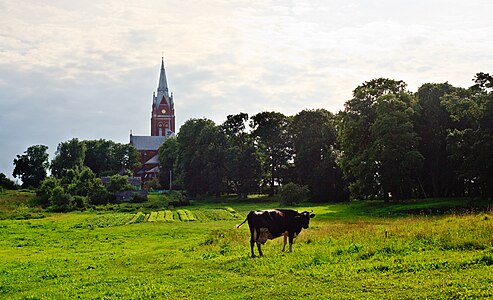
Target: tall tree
{"type": "Point", "coordinates": [394, 146]}
{"type": "Point", "coordinates": [315, 154]}
{"type": "Point", "coordinates": [168, 154]}
{"type": "Point", "coordinates": [470, 144]}
{"type": "Point", "coordinates": [69, 155]}
{"type": "Point", "coordinates": [108, 158]}
{"type": "Point", "coordinates": [433, 123]}
{"type": "Point", "coordinates": [31, 166]}
{"type": "Point", "coordinates": [242, 165]}
{"type": "Point", "coordinates": [97, 156]}
{"type": "Point", "coordinates": [356, 139]}
{"type": "Point", "coordinates": [123, 157]}
{"type": "Point", "coordinates": [202, 157]}
{"type": "Point", "coordinates": [270, 130]}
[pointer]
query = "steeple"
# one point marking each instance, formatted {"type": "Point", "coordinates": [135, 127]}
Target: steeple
{"type": "Point", "coordinates": [162, 88]}
{"type": "Point", "coordinates": [163, 108]}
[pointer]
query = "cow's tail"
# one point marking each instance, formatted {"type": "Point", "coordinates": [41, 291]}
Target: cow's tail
{"type": "Point", "coordinates": [239, 225]}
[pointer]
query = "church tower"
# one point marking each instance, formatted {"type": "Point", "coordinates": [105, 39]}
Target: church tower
{"type": "Point", "coordinates": [163, 108]}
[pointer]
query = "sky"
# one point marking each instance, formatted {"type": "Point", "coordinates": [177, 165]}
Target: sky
{"type": "Point", "coordinates": [87, 69]}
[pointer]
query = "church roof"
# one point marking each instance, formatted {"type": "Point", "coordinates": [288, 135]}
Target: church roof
{"type": "Point", "coordinates": [153, 160]}
{"type": "Point", "coordinates": [146, 142]}
{"type": "Point", "coordinates": [153, 170]}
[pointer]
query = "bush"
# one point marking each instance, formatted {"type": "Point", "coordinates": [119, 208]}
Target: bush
{"type": "Point", "coordinates": [139, 198]}
{"type": "Point", "coordinates": [119, 183]}
{"type": "Point", "coordinates": [292, 193]}
{"type": "Point", "coordinates": [79, 202]}
{"type": "Point", "coordinates": [152, 184]}
{"type": "Point", "coordinates": [46, 189]}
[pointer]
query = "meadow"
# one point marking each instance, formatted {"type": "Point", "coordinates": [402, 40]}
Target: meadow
{"type": "Point", "coordinates": [359, 250]}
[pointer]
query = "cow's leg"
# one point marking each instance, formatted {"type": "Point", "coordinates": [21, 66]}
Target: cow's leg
{"type": "Point", "coordinates": [252, 241]}
{"type": "Point", "coordinates": [257, 233]}
{"type": "Point", "coordinates": [259, 249]}
{"type": "Point", "coordinates": [291, 240]}
{"type": "Point", "coordinates": [285, 242]}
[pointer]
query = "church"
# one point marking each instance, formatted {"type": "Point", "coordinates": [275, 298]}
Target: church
{"type": "Point", "coordinates": [162, 127]}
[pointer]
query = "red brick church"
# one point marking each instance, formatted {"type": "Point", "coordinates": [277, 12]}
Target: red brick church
{"type": "Point", "coordinates": [162, 127]}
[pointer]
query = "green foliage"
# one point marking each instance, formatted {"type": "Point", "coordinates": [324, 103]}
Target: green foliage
{"type": "Point", "coordinates": [106, 158]}
{"type": "Point", "coordinates": [202, 157]}
{"type": "Point", "coordinates": [378, 140]}
{"type": "Point", "coordinates": [270, 132]}
{"type": "Point", "coordinates": [470, 144]}
{"type": "Point", "coordinates": [394, 146]}
{"type": "Point", "coordinates": [433, 123]}
{"type": "Point", "coordinates": [80, 188]}
{"type": "Point", "coordinates": [119, 183]}
{"type": "Point", "coordinates": [69, 155]}
{"type": "Point", "coordinates": [168, 161]}
{"type": "Point", "coordinates": [152, 184]}
{"type": "Point", "coordinates": [243, 167]}
{"type": "Point", "coordinates": [314, 141]}
{"type": "Point", "coordinates": [6, 183]}
{"type": "Point", "coordinates": [31, 166]}
{"type": "Point", "coordinates": [292, 193]}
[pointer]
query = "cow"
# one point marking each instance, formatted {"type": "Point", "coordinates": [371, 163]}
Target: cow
{"type": "Point", "coordinates": [270, 224]}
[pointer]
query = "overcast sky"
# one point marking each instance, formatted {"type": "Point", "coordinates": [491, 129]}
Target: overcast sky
{"type": "Point", "coordinates": [87, 69]}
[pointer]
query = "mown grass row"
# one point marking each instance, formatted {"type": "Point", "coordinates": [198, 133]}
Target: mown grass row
{"type": "Point", "coordinates": [186, 215]}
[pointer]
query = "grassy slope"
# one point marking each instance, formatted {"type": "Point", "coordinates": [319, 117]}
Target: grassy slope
{"type": "Point", "coordinates": [348, 252]}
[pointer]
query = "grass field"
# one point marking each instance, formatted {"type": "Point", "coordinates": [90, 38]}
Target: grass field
{"type": "Point", "coordinates": [359, 250]}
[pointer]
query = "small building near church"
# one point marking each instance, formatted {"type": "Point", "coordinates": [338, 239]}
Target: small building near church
{"type": "Point", "coordinates": [162, 127]}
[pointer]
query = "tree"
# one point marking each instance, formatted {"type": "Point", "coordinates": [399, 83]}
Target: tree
{"type": "Point", "coordinates": [242, 164]}
{"type": "Point", "coordinates": [315, 154]}
{"type": "Point", "coordinates": [270, 131]}
{"type": "Point", "coordinates": [31, 166]}
{"type": "Point", "coordinates": [109, 158]}
{"type": "Point", "coordinates": [357, 138]}
{"type": "Point", "coordinates": [394, 146]}
{"type": "Point", "coordinates": [123, 157]}
{"type": "Point", "coordinates": [201, 157]}
{"type": "Point", "coordinates": [168, 159]}
{"type": "Point", "coordinates": [433, 123]}
{"type": "Point", "coordinates": [69, 155]}
{"type": "Point", "coordinates": [6, 183]}
{"type": "Point", "coordinates": [119, 183]}
{"type": "Point", "coordinates": [470, 143]}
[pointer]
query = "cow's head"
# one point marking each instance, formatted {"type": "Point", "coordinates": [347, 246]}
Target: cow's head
{"type": "Point", "coordinates": [305, 218]}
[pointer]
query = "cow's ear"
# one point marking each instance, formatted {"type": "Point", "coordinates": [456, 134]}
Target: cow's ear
{"type": "Point", "coordinates": [312, 215]}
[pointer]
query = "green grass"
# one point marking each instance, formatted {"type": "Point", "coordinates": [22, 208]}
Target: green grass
{"type": "Point", "coordinates": [358, 250]}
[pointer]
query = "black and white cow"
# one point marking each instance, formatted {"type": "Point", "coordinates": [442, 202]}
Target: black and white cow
{"type": "Point", "coordinates": [270, 224]}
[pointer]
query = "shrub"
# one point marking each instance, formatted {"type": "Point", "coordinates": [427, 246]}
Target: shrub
{"type": "Point", "coordinates": [292, 193]}
{"type": "Point", "coordinates": [152, 184]}
{"type": "Point", "coordinates": [119, 183]}
{"type": "Point", "coordinates": [139, 198]}
{"type": "Point", "coordinates": [79, 202]}
{"type": "Point", "coordinates": [45, 190]}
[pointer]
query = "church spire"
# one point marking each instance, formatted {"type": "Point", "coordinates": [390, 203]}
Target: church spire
{"type": "Point", "coordinates": [162, 88]}
{"type": "Point", "coordinates": [163, 84]}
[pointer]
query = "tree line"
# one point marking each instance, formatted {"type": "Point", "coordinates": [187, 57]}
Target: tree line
{"type": "Point", "coordinates": [76, 171]}
{"type": "Point", "coordinates": [387, 143]}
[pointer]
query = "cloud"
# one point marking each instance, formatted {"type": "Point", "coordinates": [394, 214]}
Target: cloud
{"type": "Point", "coordinates": [87, 70]}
